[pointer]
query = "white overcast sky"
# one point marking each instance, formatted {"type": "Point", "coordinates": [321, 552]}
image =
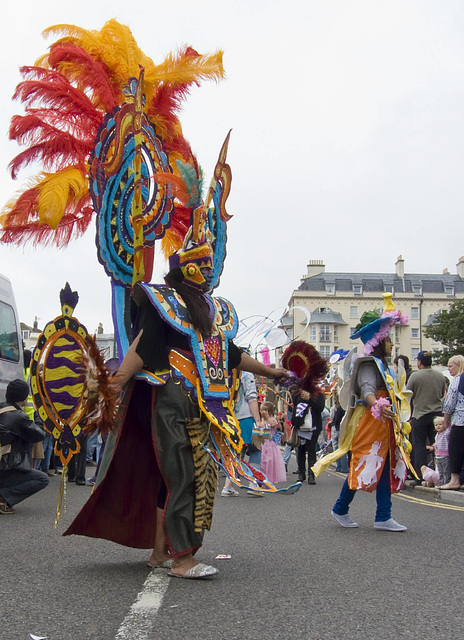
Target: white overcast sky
{"type": "Point", "coordinates": [347, 142]}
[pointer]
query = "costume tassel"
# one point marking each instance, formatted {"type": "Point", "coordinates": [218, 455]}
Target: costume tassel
{"type": "Point", "coordinates": [61, 506]}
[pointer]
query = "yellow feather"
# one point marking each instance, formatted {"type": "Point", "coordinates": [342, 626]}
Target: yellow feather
{"type": "Point", "coordinates": [187, 69]}
{"type": "Point", "coordinates": [170, 244]}
{"type": "Point", "coordinates": [116, 47]}
{"type": "Point", "coordinates": [55, 192]}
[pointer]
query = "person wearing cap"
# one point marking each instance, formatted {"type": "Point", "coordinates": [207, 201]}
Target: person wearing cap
{"type": "Point", "coordinates": [428, 390]}
{"type": "Point", "coordinates": [373, 427]}
{"type": "Point", "coordinates": [18, 480]}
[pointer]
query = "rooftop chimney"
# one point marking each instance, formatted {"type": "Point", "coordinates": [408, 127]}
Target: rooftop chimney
{"type": "Point", "coordinates": [315, 267]}
{"type": "Point", "coordinates": [446, 271]}
{"type": "Point", "coordinates": [399, 264]}
{"type": "Point", "coordinates": [460, 267]}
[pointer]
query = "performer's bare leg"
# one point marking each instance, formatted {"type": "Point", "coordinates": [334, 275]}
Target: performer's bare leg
{"type": "Point", "coordinates": [160, 550]}
{"type": "Point", "coordinates": [183, 564]}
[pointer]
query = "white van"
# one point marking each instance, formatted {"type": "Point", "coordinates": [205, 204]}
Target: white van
{"type": "Point", "coordinates": [11, 349]}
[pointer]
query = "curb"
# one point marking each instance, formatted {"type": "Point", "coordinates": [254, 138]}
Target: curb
{"type": "Point", "coordinates": [453, 497]}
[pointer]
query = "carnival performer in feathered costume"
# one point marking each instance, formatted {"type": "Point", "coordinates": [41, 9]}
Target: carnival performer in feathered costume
{"type": "Point", "coordinates": [160, 481]}
{"type": "Point", "coordinates": [375, 426]}
{"type": "Point", "coordinates": [102, 116]}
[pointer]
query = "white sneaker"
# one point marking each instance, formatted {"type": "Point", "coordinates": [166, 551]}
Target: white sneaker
{"type": "Point", "coordinates": [389, 525]}
{"type": "Point", "coordinates": [229, 493]}
{"type": "Point", "coordinates": [345, 520]}
{"type": "Point", "coordinates": [255, 494]}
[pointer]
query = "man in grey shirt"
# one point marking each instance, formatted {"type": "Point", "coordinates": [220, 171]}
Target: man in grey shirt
{"type": "Point", "coordinates": [428, 389]}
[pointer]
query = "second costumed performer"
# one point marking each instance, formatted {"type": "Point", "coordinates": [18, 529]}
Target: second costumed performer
{"type": "Point", "coordinates": [157, 482]}
{"type": "Point", "coordinates": [375, 426]}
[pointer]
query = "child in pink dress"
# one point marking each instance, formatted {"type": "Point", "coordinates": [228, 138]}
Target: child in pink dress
{"type": "Point", "coordinates": [272, 463]}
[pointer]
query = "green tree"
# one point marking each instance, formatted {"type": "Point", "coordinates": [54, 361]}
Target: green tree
{"type": "Point", "coordinates": [448, 329]}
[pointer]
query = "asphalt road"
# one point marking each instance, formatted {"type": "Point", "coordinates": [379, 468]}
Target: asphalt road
{"type": "Point", "coordinates": [294, 573]}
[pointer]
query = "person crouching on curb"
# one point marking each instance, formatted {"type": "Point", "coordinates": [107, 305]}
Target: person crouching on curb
{"type": "Point", "coordinates": [18, 480]}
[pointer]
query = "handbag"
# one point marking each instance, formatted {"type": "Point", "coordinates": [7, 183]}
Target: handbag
{"type": "Point", "coordinates": [263, 431]}
{"type": "Point", "coordinates": [294, 439]}
{"type": "Point", "coordinates": [308, 422]}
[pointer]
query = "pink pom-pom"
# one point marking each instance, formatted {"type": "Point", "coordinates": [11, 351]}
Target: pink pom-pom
{"type": "Point", "coordinates": [376, 408]}
{"type": "Point", "coordinates": [266, 356]}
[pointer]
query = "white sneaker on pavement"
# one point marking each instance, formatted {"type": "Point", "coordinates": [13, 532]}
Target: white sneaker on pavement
{"type": "Point", "coordinates": [389, 525]}
{"type": "Point", "coordinates": [229, 493]}
{"type": "Point", "coordinates": [345, 520]}
{"type": "Point", "coordinates": [255, 494]}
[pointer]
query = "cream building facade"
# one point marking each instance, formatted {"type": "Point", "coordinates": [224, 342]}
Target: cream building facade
{"type": "Point", "coordinates": [336, 302]}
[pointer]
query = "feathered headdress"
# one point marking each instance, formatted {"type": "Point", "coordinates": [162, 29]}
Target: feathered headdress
{"type": "Point", "coordinates": [374, 328]}
{"type": "Point", "coordinates": [71, 126]}
{"type": "Point", "coordinates": [306, 363]}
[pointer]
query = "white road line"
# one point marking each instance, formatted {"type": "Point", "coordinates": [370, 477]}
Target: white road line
{"type": "Point", "coordinates": [138, 622]}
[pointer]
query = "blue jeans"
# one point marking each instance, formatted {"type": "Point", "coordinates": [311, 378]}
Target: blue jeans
{"type": "Point", "coordinates": [287, 453]}
{"type": "Point", "coordinates": [44, 463]}
{"type": "Point", "coordinates": [93, 442]}
{"type": "Point", "coordinates": [16, 486]}
{"type": "Point", "coordinates": [255, 459]}
{"type": "Point", "coordinates": [383, 496]}
{"type": "Point", "coordinates": [342, 464]}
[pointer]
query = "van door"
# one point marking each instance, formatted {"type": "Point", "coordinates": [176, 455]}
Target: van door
{"type": "Point", "coordinates": [11, 351]}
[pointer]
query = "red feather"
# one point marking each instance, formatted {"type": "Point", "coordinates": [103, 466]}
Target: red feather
{"type": "Point", "coordinates": [21, 224]}
{"type": "Point", "coordinates": [86, 73]}
{"type": "Point", "coordinates": [71, 226]}
{"type": "Point", "coordinates": [47, 88]}
{"type": "Point", "coordinates": [25, 206]}
{"type": "Point", "coordinates": [56, 154]}
{"type": "Point", "coordinates": [36, 118]}
{"type": "Point", "coordinates": [167, 100]}
{"type": "Point", "coordinates": [180, 223]}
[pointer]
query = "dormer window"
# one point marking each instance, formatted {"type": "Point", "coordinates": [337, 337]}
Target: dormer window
{"type": "Point", "coordinates": [417, 291]}
{"type": "Point", "coordinates": [357, 289]}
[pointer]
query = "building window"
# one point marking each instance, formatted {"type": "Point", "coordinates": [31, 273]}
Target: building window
{"type": "Point", "coordinates": [414, 313]}
{"type": "Point", "coordinates": [449, 291]}
{"type": "Point", "coordinates": [353, 312]}
{"type": "Point", "coordinates": [417, 291]}
{"type": "Point", "coordinates": [357, 289]}
{"type": "Point", "coordinates": [330, 289]}
{"type": "Point", "coordinates": [324, 333]}
{"type": "Point", "coordinates": [352, 330]}
{"type": "Point", "coordinates": [335, 334]}
{"type": "Point", "coordinates": [414, 354]}
{"type": "Point", "coordinates": [389, 288]}
{"type": "Point", "coordinates": [25, 333]}
{"type": "Point", "coordinates": [313, 329]}
{"type": "Point", "coordinates": [325, 351]}
{"type": "Point", "coordinates": [414, 333]}
{"type": "Point", "coordinates": [397, 334]}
